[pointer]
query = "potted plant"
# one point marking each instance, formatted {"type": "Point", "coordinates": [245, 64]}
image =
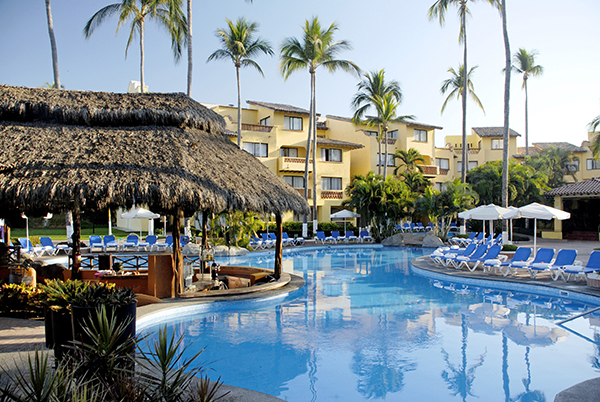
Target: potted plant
{"type": "Point", "coordinates": [118, 302]}
{"type": "Point", "coordinates": [57, 316]}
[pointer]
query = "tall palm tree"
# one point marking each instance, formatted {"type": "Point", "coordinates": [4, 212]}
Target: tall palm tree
{"type": "Point", "coordinates": [373, 85]}
{"type": "Point", "coordinates": [167, 13]}
{"type": "Point", "coordinates": [455, 83]}
{"type": "Point", "coordinates": [501, 5]}
{"type": "Point", "coordinates": [524, 63]}
{"type": "Point", "coordinates": [386, 107]}
{"type": "Point", "coordinates": [317, 48]}
{"type": "Point", "coordinates": [438, 11]}
{"type": "Point", "coordinates": [239, 45]}
{"type": "Point", "coordinates": [53, 45]}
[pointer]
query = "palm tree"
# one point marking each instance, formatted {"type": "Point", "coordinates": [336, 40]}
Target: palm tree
{"type": "Point", "coordinates": [455, 84]}
{"type": "Point", "coordinates": [386, 107]}
{"type": "Point", "coordinates": [438, 11]}
{"type": "Point", "coordinates": [409, 159]}
{"type": "Point", "coordinates": [501, 5]}
{"type": "Point", "coordinates": [373, 85]}
{"type": "Point", "coordinates": [53, 45]}
{"type": "Point", "coordinates": [166, 12]}
{"type": "Point", "coordinates": [524, 63]}
{"type": "Point", "coordinates": [595, 146]}
{"type": "Point", "coordinates": [239, 45]}
{"type": "Point", "coordinates": [317, 48]}
{"type": "Point", "coordinates": [189, 48]}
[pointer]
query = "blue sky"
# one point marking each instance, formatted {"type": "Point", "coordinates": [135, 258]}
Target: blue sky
{"type": "Point", "coordinates": [391, 34]}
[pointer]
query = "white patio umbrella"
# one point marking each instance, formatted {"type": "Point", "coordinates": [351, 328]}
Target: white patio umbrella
{"type": "Point", "coordinates": [344, 214]}
{"type": "Point", "coordinates": [140, 213]}
{"type": "Point", "coordinates": [537, 211]}
{"type": "Point", "coordinates": [489, 212]}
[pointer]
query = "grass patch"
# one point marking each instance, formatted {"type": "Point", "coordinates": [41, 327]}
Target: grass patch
{"type": "Point", "coordinates": [60, 234]}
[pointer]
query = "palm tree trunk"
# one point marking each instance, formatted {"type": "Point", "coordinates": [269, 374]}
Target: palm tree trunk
{"type": "Point", "coordinates": [386, 154]}
{"type": "Point", "coordinates": [53, 45]}
{"type": "Point", "coordinates": [465, 161]}
{"type": "Point", "coordinates": [313, 90]}
{"type": "Point", "coordinates": [142, 55]}
{"type": "Point", "coordinates": [506, 109]}
{"type": "Point", "coordinates": [526, 123]}
{"type": "Point", "coordinates": [189, 46]}
{"type": "Point", "coordinates": [239, 122]}
{"type": "Point", "coordinates": [379, 152]}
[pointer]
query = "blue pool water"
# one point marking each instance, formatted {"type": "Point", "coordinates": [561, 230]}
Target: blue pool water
{"type": "Point", "coordinates": [367, 326]}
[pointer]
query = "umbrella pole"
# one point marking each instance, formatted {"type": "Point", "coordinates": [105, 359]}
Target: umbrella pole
{"type": "Point", "coordinates": [534, 237]}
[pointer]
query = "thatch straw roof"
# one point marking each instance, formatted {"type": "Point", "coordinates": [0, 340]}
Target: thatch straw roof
{"type": "Point", "coordinates": [58, 148]}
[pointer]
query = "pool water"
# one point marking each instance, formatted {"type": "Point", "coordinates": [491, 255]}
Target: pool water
{"type": "Point", "coordinates": [365, 326]}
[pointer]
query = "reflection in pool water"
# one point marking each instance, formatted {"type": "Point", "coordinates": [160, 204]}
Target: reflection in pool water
{"type": "Point", "coordinates": [365, 327]}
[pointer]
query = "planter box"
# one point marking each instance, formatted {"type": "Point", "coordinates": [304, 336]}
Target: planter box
{"type": "Point", "coordinates": [593, 280]}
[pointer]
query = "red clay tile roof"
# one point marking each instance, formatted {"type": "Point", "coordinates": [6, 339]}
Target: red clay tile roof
{"type": "Point", "coordinates": [494, 132]}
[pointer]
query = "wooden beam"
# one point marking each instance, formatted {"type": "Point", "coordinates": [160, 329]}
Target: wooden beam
{"type": "Point", "coordinates": [76, 238]}
{"type": "Point", "coordinates": [177, 282]}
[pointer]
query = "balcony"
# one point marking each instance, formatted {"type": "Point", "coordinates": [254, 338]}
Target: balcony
{"type": "Point", "coordinates": [301, 191]}
{"type": "Point", "coordinates": [256, 127]}
{"type": "Point", "coordinates": [470, 150]}
{"type": "Point", "coordinates": [332, 195]}
{"type": "Point", "coordinates": [429, 170]}
{"type": "Point", "coordinates": [292, 164]}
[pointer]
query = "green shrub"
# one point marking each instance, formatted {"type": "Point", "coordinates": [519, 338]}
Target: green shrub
{"type": "Point", "coordinates": [509, 247]}
{"type": "Point", "coordinates": [20, 300]}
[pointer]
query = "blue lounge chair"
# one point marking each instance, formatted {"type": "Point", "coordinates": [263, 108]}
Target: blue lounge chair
{"type": "Point", "coordinates": [335, 235]}
{"type": "Point", "coordinates": [459, 240]}
{"type": "Point", "coordinates": [131, 242]}
{"type": "Point", "coordinates": [478, 253]}
{"type": "Point", "coordinates": [48, 246]}
{"type": "Point", "coordinates": [580, 272]}
{"type": "Point", "coordinates": [296, 241]}
{"type": "Point", "coordinates": [267, 241]}
{"type": "Point", "coordinates": [406, 227]}
{"type": "Point", "coordinates": [430, 226]}
{"type": "Point", "coordinates": [27, 247]}
{"type": "Point", "coordinates": [473, 262]}
{"type": "Point", "coordinates": [166, 245]}
{"type": "Point", "coordinates": [320, 237]}
{"type": "Point", "coordinates": [477, 240]}
{"type": "Point", "coordinates": [151, 240]}
{"type": "Point", "coordinates": [364, 236]}
{"type": "Point", "coordinates": [284, 241]}
{"type": "Point", "coordinates": [95, 242]}
{"type": "Point", "coordinates": [420, 227]}
{"type": "Point", "coordinates": [522, 254]}
{"type": "Point", "coordinates": [109, 241]}
{"type": "Point", "coordinates": [183, 240]}
{"type": "Point", "coordinates": [256, 243]}
{"type": "Point", "coordinates": [563, 258]}
{"type": "Point", "coordinates": [543, 255]}
{"type": "Point", "coordinates": [350, 236]}
{"type": "Point", "coordinates": [453, 253]}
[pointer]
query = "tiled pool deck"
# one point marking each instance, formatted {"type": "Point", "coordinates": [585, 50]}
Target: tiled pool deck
{"type": "Point", "coordinates": [18, 336]}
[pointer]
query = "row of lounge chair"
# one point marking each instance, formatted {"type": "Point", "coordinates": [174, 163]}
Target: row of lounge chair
{"type": "Point", "coordinates": [409, 227]}
{"type": "Point", "coordinates": [133, 243]}
{"type": "Point", "coordinates": [336, 237]}
{"type": "Point", "coordinates": [562, 265]}
{"type": "Point", "coordinates": [46, 247]}
{"type": "Point", "coordinates": [476, 238]}
{"type": "Point", "coordinates": [268, 240]}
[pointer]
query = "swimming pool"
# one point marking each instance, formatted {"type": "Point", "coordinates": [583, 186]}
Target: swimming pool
{"type": "Point", "coordinates": [366, 326]}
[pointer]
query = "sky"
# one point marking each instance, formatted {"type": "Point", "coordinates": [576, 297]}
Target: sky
{"type": "Point", "coordinates": [394, 35]}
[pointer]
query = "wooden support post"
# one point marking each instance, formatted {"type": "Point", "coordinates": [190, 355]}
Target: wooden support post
{"type": "Point", "coordinates": [76, 237]}
{"type": "Point", "coordinates": [204, 239]}
{"type": "Point", "coordinates": [177, 282]}
{"type": "Point", "coordinates": [278, 246]}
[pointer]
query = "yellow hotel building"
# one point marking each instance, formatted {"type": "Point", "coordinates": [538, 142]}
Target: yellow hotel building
{"type": "Point", "coordinates": [276, 134]}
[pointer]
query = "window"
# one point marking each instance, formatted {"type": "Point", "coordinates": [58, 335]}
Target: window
{"type": "Point", "coordinates": [371, 133]}
{"type": "Point", "coordinates": [256, 148]}
{"type": "Point", "coordinates": [390, 159]}
{"type": "Point", "coordinates": [266, 121]}
{"type": "Point", "coordinates": [294, 181]}
{"type": "Point", "coordinates": [291, 152]}
{"type": "Point", "coordinates": [572, 166]}
{"type": "Point", "coordinates": [420, 135]}
{"type": "Point", "coordinates": [472, 164]}
{"type": "Point", "coordinates": [440, 187]}
{"type": "Point", "coordinates": [331, 155]}
{"type": "Point", "coordinates": [442, 163]}
{"type": "Point", "coordinates": [497, 144]}
{"type": "Point", "coordinates": [394, 134]}
{"type": "Point", "coordinates": [331, 183]}
{"type": "Point", "coordinates": [593, 164]}
{"type": "Point", "coordinates": [292, 123]}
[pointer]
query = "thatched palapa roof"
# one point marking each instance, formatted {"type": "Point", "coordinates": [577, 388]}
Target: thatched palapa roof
{"type": "Point", "coordinates": [99, 150]}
